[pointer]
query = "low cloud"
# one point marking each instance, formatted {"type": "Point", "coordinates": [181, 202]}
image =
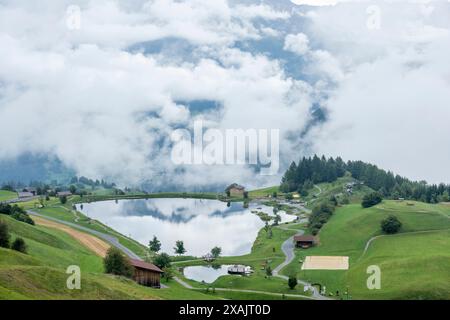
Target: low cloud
{"type": "Point", "coordinates": [107, 110]}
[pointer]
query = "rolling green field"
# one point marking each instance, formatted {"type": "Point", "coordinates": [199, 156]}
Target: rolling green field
{"type": "Point", "coordinates": [7, 195]}
{"type": "Point", "coordinates": [65, 213]}
{"type": "Point", "coordinates": [408, 261]}
{"type": "Point", "coordinates": [40, 274]}
{"type": "Point", "coordinates": [261, 193]}
{"type": "Point", "coordinates": [415, 264]}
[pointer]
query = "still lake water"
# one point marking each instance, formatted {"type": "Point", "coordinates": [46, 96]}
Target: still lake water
{"type": "Point", "coordinates": [201, 224]}
{"type": "Point", "coordinates": [208, 274]}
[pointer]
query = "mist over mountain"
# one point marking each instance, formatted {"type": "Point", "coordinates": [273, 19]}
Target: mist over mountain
{"type": "Point", "coordinates": [28, 167]}
{"type": "Point", "coordinates": [102, 99]}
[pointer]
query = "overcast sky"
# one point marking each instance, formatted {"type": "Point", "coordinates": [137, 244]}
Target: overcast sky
{"type": "Point", "coordinates": [105, 95]}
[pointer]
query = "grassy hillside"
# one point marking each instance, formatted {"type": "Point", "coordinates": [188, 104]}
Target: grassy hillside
{"type": "Point", "coordinates": [408, 260]}
{"type": "Point", "coordinates": [40, 274]}
{"type": "Point", "coordinates": [265, 192]}
{"type": "Point", "coordinates": [7, 195]}
{"type": "Point", "coordinates": [65, 213]}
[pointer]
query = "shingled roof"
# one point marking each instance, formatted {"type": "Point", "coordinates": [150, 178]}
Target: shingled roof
{"type": "Point", "coordinates": [145, 265]}
{"type": "Point", "coordinates": [304, 239]}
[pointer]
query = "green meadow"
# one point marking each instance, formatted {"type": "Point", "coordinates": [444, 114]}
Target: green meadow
{"type": "Point", "coordinates": [415, 263]}
{"type": "Point", "coordinates": [7, 195]}
{"type": "Point", "coordinates": [41, 274]}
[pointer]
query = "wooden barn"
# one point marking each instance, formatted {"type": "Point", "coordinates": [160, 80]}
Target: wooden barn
{"type": "Point", "coordinates": [146, 274]}
{"type": "Point", "coordinates": [235, 190]}
{"type": "Point", "coordinates": [304, 242]}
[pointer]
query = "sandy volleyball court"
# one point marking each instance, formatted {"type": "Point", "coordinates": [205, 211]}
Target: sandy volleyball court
{"type": "Point", "coordinates": [325, 263]}
{"type": "Point", "coordinates": [98, 246]}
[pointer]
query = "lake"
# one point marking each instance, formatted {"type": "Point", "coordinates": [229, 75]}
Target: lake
{"type": "Point", "coordinates": [201, 224]}
{"type": "Point", "coordinates": [208, 274]}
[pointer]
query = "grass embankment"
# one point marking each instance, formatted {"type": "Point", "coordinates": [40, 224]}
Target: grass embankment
{"type": "Point", "coordinates": [415, 263]}
{"type": "Point", "coordinates": [56, 210]}
{"type": "Point", "coordinates": [40, 274]}
{"type": "Point", "coordinates": [175, 195]}
{"type": "Point", "coordinates": [7, 195]}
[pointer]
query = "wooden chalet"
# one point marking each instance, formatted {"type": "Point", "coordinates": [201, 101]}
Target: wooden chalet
{"type": "Point", "coordinates": [235, 190]}
{"type": "Point", "coordinates": [146, 274]}
{"type": "Point", "coordinates": [304, 242]}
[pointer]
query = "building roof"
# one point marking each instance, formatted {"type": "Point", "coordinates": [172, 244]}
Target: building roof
{"type": "Point", "coordinates": [25, 194]}
{"type": "Point", "coordinates": [145, 265]}
{"type": "Point", "coordinates": [235, 186]}
{"type": "Point", "coordinates": [304, 239]}
{"type": "Point", "coordinates": [64, 193]}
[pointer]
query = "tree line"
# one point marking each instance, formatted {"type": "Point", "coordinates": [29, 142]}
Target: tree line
{"type": "Point", "coordinates": [309, 171]}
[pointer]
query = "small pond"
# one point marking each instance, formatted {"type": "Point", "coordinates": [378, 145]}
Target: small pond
{"type": "Point", "coordinates": [207, 274]}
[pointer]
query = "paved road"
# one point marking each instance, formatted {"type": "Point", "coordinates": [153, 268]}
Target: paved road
{"type": "Point", "coordinates": [288, 249]}
{"type": "Point", "coordinates": [188, 286]}
{"type": "Point", "coordinates": [108, 238]}
{"type": "Point", "coordinates": [17, 200]}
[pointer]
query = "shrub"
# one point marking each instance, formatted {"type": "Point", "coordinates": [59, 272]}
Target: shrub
{"type": "Point", "coordinates": [116, 263]}
{"type": "Point", "coordinates": [19, 245]}
{"type": "Point", "coordinates": [320, 215]}
{"type": "Point", "coordinates": [391, 225]}
{"type": "Point", "coordinates": [315, 231]}
{"type": "Point", "coordinates": [268, 271]}
{"type": "Point", "coordinates": [167, 274]}
{"type": "Point", "coordinates": [292, 282]}
{"type": "Point", "coordinates": [162, 261]}
{"type": "Point", "coordinates": [4, 235]}
{"type": "Point", "coordinates": [371, 199]}
{"type": "Point", "coordinates": [20, 214]}
{"type": "Point", "coordinates": [5, 208]}
{"type": "Point", "coordinates": [63, 199]}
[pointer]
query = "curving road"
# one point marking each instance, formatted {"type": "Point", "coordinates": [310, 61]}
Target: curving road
{"type": "Point", "coordinates": [288, 249]}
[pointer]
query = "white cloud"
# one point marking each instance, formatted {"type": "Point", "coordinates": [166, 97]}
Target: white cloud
{"type": "Point", "coordinates": [297, 43]}
{"type": "Point", "coordinates": [317, 3]}
{"type": "Point", "coordinates": [391, 105]}
{"type": "Point", "coordinates": [107, 112]}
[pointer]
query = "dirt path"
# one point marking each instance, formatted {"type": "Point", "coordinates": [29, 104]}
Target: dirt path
{"type": "Point", "coordinates": [99, 247]}
{"type": "Point", "coordinates": [103, 236]}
